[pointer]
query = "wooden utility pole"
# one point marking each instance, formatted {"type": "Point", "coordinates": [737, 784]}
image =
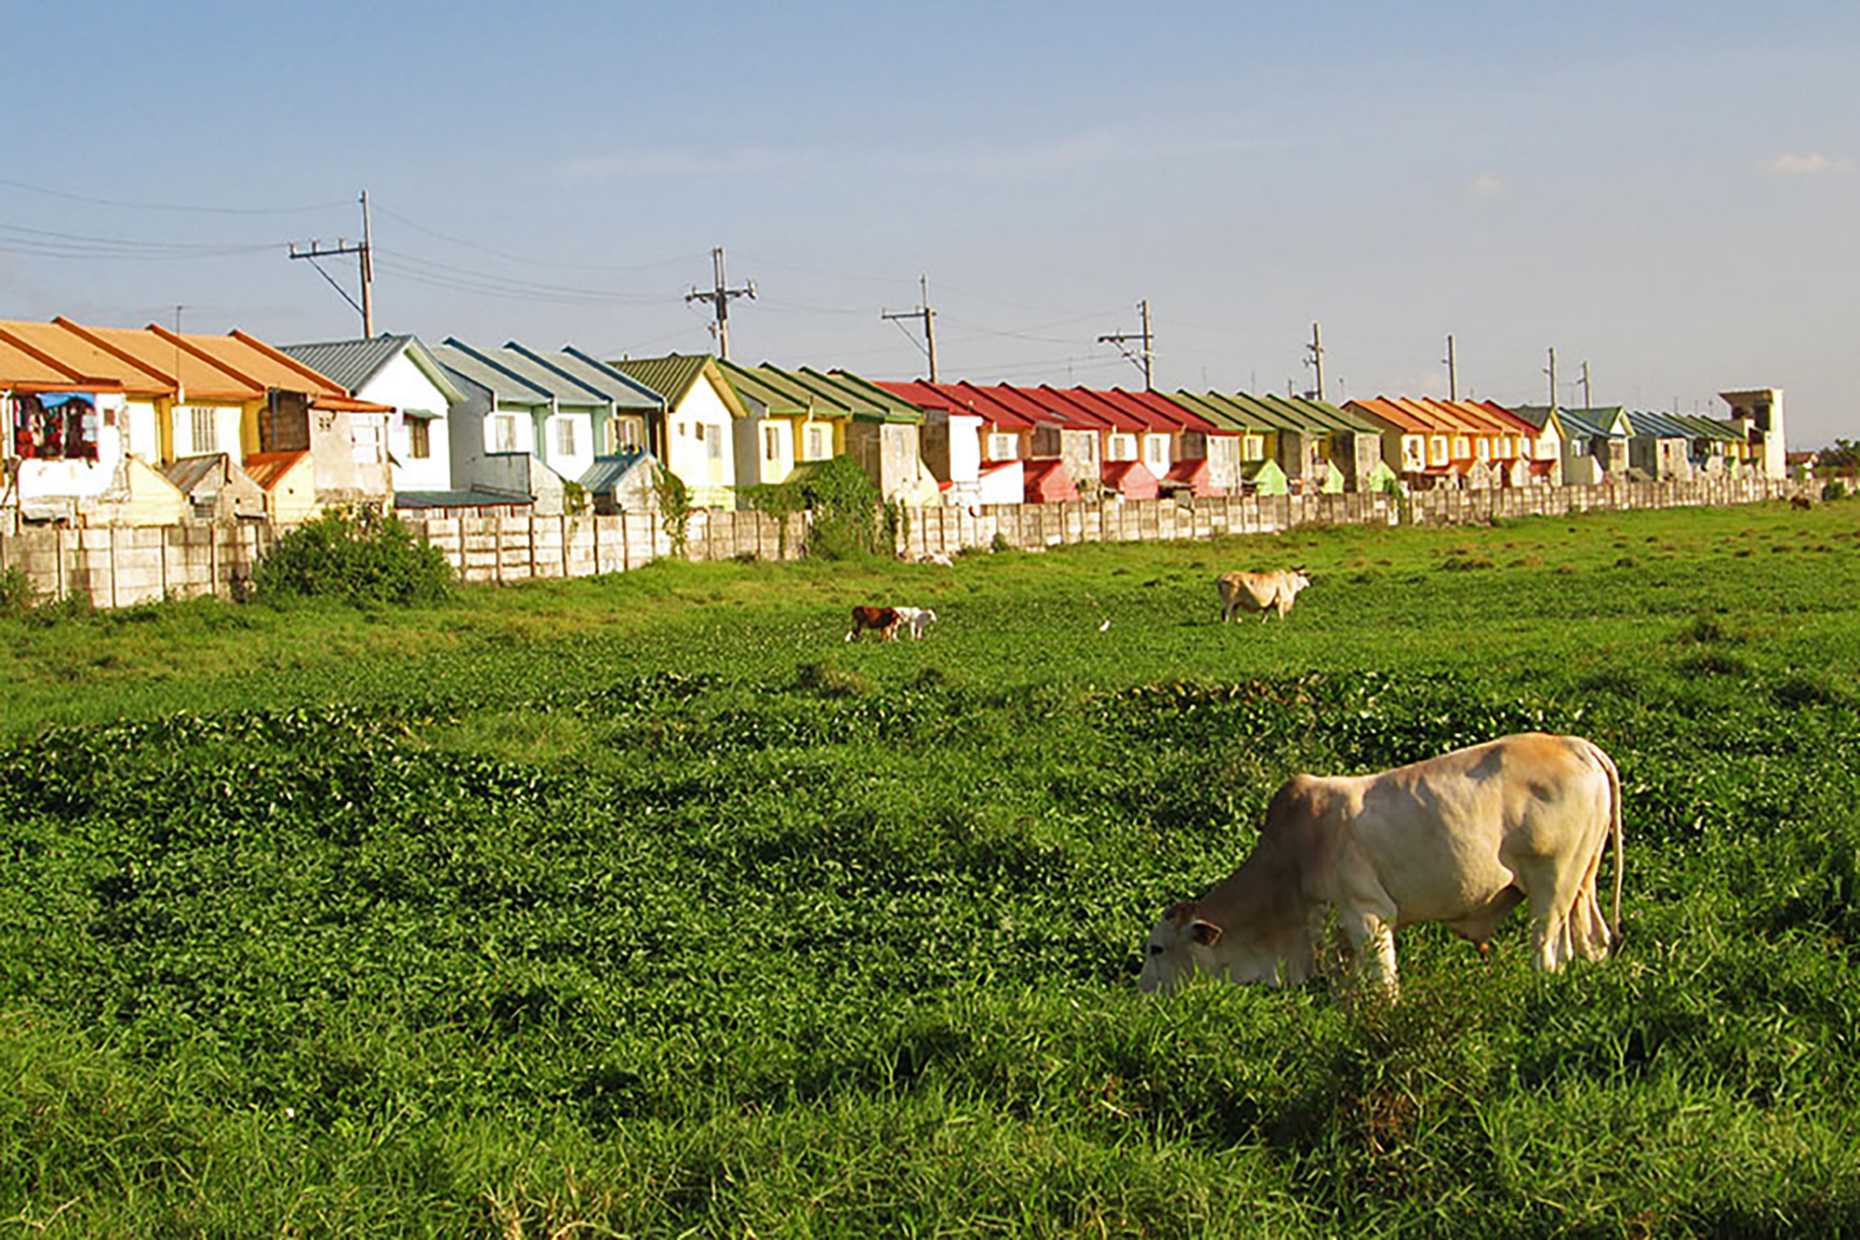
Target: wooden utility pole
{"type": "Point", "coordinates": [1551, 371]}
{"type": "Point", "coordinates": [1145, 357]}
{"type": "Point", "coordinates": [366, 267]}
{"type": "Point", "coordinates": [368, 272]}
{"type": "Point", "coordinates": [1314, 358]}
{"type": "Point", "coordinates": [925, 313]}
{"type": "Point", "coordinates": [1453, 372]}
{"type": "Point", "coordinates": [1588, 397]}
{"type": "Point", "coordinates": [720, 296]}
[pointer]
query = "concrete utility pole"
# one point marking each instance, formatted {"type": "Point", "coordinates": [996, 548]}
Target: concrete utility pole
{"type": "Point", "coordinates": [1145, 358]}
{"type": "Point", "coordinates": [1453, 372]}
{"type": "Point", "coordinates": [1314, 358]}
{"type": "Point", "coordinates": [366, 266]}
{"type": "Point", "coordinates": [720, 298]}
{"type": "Point", "coordinates": [1551, 371]}
{"type": "Point", "coordinates": [925, 313]}
{"type": "Point", "coordinates": [1588, 397]}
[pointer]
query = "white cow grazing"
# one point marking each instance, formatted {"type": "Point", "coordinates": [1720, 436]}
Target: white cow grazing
{"type": "Point", "coordinates": [917, 619]}
{"type": "Point", "coordinates": [1260, 592]}
{"type": "Point", "coordinates": [1461, 839]}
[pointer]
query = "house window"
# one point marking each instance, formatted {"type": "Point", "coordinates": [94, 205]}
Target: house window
{"type": "Point", "coordinates": [565, 436]}
{"type": "Point", "coordinates": [1255, 448]}
{"type": "Point", "coordinates": [1156, 452]}
{"type": "Point", "coordinates": [1485, 449]}
{"type": "Point", "coordinates": [504, 433]}
{"type": "Point", "coordinates": [771, 443]}
{"type": "Point", "coordinates": [629, 433]}
{"type": "Point", "coordinates": [713, 439]}
{"type": "Point", "coordinates": [1003, 447]}
{"type": "Point", "coordinates": [1437, 450]}
{"type": "Point", "coordinates": [1123, 447]}
{"type": "Point", "coordinates": [1460, 447]}
{"type": "Point", "coordinates": [1088, 448]}
{"type": "Point", "coordinates": [203, 430]}
{"type": "Point", "coordinates": [419, 438]}
{"type": "Point", "coordinates": [819, 443]}
{"type": "Point", "coordinates": [365, 439]}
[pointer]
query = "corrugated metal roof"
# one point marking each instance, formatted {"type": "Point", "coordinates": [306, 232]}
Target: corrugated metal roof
{"type": "Point", "coordinates": [190, 471]}
{"type": "Point", "coordinates": [670, 376]}
{"type": "Point", "coordinates": [1658, 425]}
{"type": "Point", "coordinates": [349, 363]}
{"type": "Point", "coordinates": [607, 471]}
{"type": "Point", "coordinates": [895, 409]}
{"type": "Point", "coordinates": [779, 393]}
{"type": "Point", "coordinates": [457, 499]}
{"type": "Point", "coordinates": [523, 365]}
{"type": "Point", "coordinates": [475, 365]}
{"type": "Point", "coordinates": [586, 377]}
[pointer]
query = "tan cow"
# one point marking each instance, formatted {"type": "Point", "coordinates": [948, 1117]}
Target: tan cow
{"type": "Point", "coordinates": [1462, 839]}
{"type": "Point", "coordinates": [1260, 592]}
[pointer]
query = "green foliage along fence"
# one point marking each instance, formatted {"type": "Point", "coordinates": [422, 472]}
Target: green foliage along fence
{"type": "Point", "coordinates": [120, 567]}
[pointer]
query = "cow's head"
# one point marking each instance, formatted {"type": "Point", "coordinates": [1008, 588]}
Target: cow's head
{"type": "Point", "coordinates": [1297, 580]}
{"type": "Point", "coordinates": [1186, 942]}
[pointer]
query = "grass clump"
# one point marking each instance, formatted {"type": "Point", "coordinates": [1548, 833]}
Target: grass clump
{"type": "Point", "coordinates": [356, 556]}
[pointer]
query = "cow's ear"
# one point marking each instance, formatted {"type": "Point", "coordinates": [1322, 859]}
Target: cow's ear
{"type": "Point", "coordinates": [1204, 932]}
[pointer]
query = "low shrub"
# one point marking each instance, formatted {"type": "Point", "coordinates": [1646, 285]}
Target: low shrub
{"type": "Point", "coordinates": [358, 556]}
{"type": "Point", "coordinates": [16, 593]}
{"type": "Point", "coordinates": [1834, 490]}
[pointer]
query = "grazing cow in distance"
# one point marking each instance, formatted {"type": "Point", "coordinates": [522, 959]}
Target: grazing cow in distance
{"type": "Point", "coordinates": [883, 620]}
{"type": "Point", "coordinates": [1801, 501]}
{"type": "Point", "coordinates": [917, 620]}
{"type": "Point", "coordinates": [1461, 839]}
{"type": "Point", "coordinates": [1260, 592]}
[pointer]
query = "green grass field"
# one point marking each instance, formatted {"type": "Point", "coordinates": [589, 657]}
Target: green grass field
{"type": "Point", "coordinates": [646, 905]}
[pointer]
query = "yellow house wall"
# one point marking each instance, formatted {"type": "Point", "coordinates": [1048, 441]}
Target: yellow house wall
{"type": "Point", "coordinates": [294, 496]}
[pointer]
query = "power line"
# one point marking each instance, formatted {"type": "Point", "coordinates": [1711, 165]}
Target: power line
{"type": "Point", "coordinates": [534, 262]}
{"type": "Point", "coordinates": [1144, 357]}
{"type": "Point", "coordinates": [170, 206]}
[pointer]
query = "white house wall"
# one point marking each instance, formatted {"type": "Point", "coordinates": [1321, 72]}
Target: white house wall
{"type": "Point", "coordinates": [581, 425]}
{"type": "Point", "coordinates": [405, 386]}
{"type": "Point", "coordinates": [688, 456]}
{"type": "Point", "coordinates": [144, 430]}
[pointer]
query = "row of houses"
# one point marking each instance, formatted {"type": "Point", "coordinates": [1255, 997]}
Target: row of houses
{"type": "Point", "coordinates": [150, 426]}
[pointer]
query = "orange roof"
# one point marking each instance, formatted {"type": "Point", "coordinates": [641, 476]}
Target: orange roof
{"type": "Point", "coordinates": [268, 468]}
{"type": "Point", "coordinates": [23, 367]}
{"type": "Point", "coordinates": [76, 355]}
{"type": "Point", "coordinates": [165, 358]}
{"type": "Point", "coordinates": [257, 363]}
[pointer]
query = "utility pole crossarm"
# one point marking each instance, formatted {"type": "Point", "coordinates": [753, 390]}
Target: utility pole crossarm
{"type": "Point", "coordinates": [364, 253]}
{"type": "Point", "coordinates": [928, 315]}
{"type": "Point", "coordinates": [1145, 357]}
{"type": "Point", "coordinates": [720, 296]}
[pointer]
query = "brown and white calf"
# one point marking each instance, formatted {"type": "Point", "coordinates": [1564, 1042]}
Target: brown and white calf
{"type": "Point", "coordinates": [882, 620]}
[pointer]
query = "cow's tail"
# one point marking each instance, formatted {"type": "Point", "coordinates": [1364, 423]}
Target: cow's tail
{"type": "Point", "coordinates": [1614, 813]}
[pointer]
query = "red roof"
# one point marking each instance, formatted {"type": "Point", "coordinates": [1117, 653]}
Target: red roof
{"type": "Point", "coordinates": [1085, 403]}
{"type": "Point", "coordinates": [1048, 482]}
{"type": "Point", "coordinates": [1193, 471]}
{"type": "Point", "coordinates": [1131, 479]}
{"type": "Point", "coordinates": [1172, 411]}
{"type": "Point", "coordinates": [962, 398]}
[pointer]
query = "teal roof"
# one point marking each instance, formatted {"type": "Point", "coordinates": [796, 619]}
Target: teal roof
{"type": "Point", "coordinates": [584, 375]}
{"type": "Point", "coordinates": [607, 471]}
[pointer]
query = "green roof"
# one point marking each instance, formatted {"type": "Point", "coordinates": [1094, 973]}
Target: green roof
{"type": "Point", "coordinates": [767, 387]}
{"type": "Point", "coordinates": [1240, 411]}
{"type": "Point", "coordinates": [834, 395]}
{"type": "Point", "coordinates": [671, 376]}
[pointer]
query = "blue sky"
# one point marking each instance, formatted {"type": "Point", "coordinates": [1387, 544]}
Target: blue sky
{"type": "Point", "coordinates": [1666, 191]}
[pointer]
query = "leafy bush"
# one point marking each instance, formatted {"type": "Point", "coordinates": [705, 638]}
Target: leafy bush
{"type": "Point", "coordinates": [1834, 490]}
{"type": "Point", "coordinates": [843, 500]}
{"type": "Point", "coordinates": [674, 506]}
{"type": "Point", "coordinates": [356, 555]}
{"type": "Point", "coordinates": [16, 592]}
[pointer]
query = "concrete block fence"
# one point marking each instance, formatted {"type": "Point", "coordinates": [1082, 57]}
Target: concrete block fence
{"type": "Point", "coordinates": [120, 566]}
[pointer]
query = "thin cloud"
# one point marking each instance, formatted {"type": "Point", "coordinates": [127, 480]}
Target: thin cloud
{"type": "Point", "coordinates": [1805, 164]}
{"type": "Point", "coordinates": [1088, 149]}
{"type": "Point", "coordinates": [1488, 185]}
